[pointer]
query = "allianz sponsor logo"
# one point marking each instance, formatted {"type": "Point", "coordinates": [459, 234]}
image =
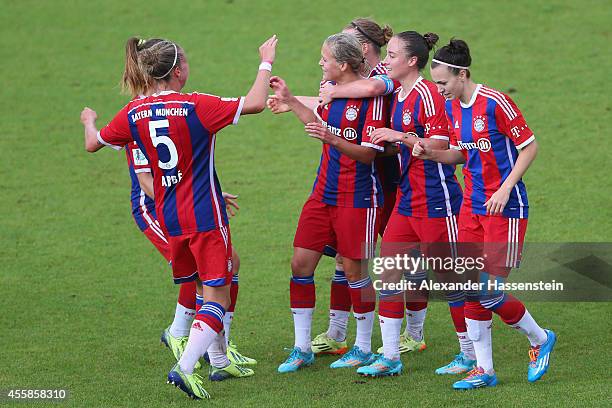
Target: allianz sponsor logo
{"type": "Point", "coordinates": [484, 145]}
{"type": "Point", "coordinates": [348, 133]}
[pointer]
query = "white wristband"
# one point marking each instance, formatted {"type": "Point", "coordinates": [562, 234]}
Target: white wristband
{"type": "Point", "coordinates": [265, 66]}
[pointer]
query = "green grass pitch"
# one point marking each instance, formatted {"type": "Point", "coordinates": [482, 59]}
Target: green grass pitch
{"type": "Point", "coordinates": [84, 296]}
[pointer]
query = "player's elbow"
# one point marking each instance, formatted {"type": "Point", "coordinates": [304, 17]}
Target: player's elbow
{"type": "Point", "coordinates": [251, 107]}
{"type": "Point", "coordinates": [91, 147]}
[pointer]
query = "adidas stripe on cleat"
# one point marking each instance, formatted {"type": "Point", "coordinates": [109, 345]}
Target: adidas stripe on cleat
{"type": "Point", "coordinates": [323, 344]}
{"type": "Point", "coordinates": [540, 357]}
{"type": "Point", "coordinates": [296, 360]}
{"type": "Point", "coordinates": [354, 358]}
{"type": "Point", "coordinates": [231, 371]}
{"type": "Point", "coordinates": [476, 378]}
{"type": "Point", "coordinates": [381, 367]}
{"type": "Point", "coordinates": [238, 358]}
{"type": "Point", "coordinates": [459, 365]}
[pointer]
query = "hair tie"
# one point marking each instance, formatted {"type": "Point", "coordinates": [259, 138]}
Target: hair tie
{"type": "Point", "coordinates": [141, 42]}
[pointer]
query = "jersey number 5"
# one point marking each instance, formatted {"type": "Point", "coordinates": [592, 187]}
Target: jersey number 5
{"type": "Point", "coordinates": [154, 126]}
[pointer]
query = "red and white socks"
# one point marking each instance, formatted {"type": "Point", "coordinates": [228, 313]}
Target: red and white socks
{"type": "Point", "coordinates": [339, 306]}
{"type": "Point", "coordinates": [204, 331]}
{"type": "Point", "coordinates": [302, 297]}
{"type": "Point", "coordinates": [390, 316]}
{"type": "Point", "coordinates": [363, 298]}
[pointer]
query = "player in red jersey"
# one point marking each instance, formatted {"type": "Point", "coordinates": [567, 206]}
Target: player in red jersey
{"type": "Point", "coordinates": [189, 302]}
{"type": "Point", "coordinates": [490, 136]}
{"type": "Point", "coordinates": [177, 134]}
{"type": "Point", "coordinates": [344, 208]}
{"type": "Point", "coordinates": [429, 198]}
{"type": "Point", "coordinates": [373, 38]}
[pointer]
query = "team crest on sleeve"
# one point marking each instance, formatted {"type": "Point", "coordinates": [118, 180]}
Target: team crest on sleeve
{"type": "Point", "coordinates": [351, 112]}
{"type": "Point", "coordinates": [406, 118]}
{"type": "Point", "coordinates": [479, 123]}
{"type": "Point", "coordinates": [139, 158]}
{"type": "Point", "coordinates": [349, 134]}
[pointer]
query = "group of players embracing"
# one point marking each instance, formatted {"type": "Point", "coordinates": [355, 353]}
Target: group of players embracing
{"type": "Point", "coordinates": [391, 140]}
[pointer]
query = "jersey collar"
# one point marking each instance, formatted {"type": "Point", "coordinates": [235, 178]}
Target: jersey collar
{"type": "Point", "coordinates": [473, 99]}
{"type": "Point", "coordinates": [399, 95]}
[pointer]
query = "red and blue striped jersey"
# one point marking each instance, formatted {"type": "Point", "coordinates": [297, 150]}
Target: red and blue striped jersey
{"type": "Point", "coordinates": [388, 167]}
{"type": "Point", "coordinates": [177, 134]}
{"type": "Point", "coordinates": [143, 207]}
{"type": "Point", "coordinates": [488, 131]}
{"type": "Point", "coordinates": [427, 188]}
{"type": "Point", "coordinates": [342, 181]}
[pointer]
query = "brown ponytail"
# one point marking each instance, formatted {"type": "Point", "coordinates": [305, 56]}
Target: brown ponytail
{"type": "Point", "coordinates": [147, 61]}
{"type": "Point", "coordinates": [369, 32]}
{"type": "Point", "coordinates": [134, 81]}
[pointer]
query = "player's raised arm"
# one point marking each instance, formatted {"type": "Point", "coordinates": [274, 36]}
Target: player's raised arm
{"type": "Point", "coordinates": [255, 100]}
{"type": "Point", "coordinates": [88, 119]}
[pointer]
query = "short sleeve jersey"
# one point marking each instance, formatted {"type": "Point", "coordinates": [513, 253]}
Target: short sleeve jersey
{"type": "Point", "coordinates": [177, 134]}
{"type": "Point", "coordinates": [342, 181]}
{"type": "Point", "coordinates": [427, 188]}
{"type": "Point", "coordinates": [489, 131]}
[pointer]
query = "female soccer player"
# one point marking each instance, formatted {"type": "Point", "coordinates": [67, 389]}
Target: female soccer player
{"type": "Point", "coordinates": [429, 195]}
{"type": "Point", "coordinates": [373, 38]}
{"type": "Point", "coordinates": [344, 208]}
{"type": "Point", "coordinates": [427, 190]}
{"type": "Point", "coordinates": [490, 136]}
{"type": "Point", "coordinates": [189, 302]}
{"type": "Point", "coordinates": [177, 134]}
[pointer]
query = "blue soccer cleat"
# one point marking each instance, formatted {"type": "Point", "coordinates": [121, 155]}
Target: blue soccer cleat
{"type": "Point", "coordinates": [354, 358]}
{"type": "Point", "coordinates": [461, 364]}
{"type": "Point", "coordinates": [540, 357]}
{"type": "Point", "coordinates": [476, 378]}
{"type": "Point", "coordinates": [296, 359]}
{"type": "Point", "coordinates": [381, 367]}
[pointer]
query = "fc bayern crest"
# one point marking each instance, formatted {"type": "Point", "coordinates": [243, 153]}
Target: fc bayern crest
{"type": "Point", "coordinates": [349, 134]}
{"type": "Point", "coordinates": [479, 123]}
{"type": "Point", "coordinates": [351, 113]}
{"type": "Point", "coordinates": [406, 118]}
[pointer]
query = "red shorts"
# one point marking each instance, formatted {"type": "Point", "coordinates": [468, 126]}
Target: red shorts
{"type": "Point", "coordinates": [352, 231]}
{"type": "Point", "coordinates": [207, 255]}
{"type": "Point", "coordinates": [498, 239]}
{"type": "Point", "coordinates": [159, 241]}
{"type": "Point", "coordinates": [434, 237]}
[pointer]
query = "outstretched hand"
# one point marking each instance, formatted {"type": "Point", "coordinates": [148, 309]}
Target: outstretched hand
{"type": "Point", "coordinates": [267, 50]}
